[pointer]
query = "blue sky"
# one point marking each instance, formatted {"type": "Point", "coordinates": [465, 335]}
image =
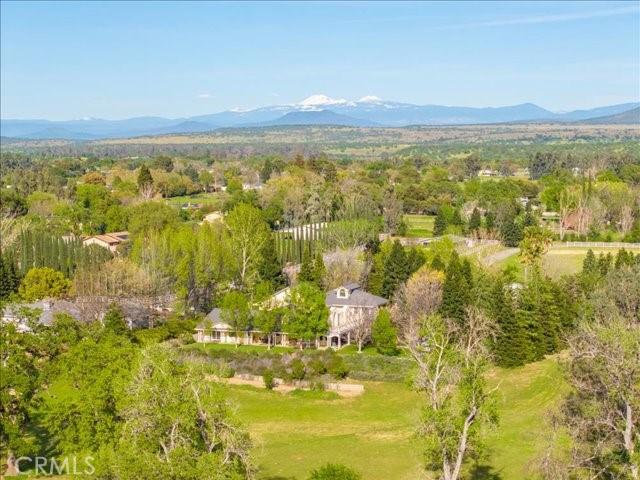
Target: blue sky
{"type": "Point", "coordinates": [117, 60]}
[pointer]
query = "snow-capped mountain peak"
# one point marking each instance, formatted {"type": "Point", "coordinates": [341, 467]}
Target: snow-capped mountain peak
{"type": "Point", "coordinates": [321, 100]}
{"type": "Point", "coordinates": [370, 99]}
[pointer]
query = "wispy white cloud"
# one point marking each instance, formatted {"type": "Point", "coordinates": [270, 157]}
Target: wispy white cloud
{"type": "Point", "coordinates": [536, 19]}
{"type": "Point", "coordinates": [205, 95]}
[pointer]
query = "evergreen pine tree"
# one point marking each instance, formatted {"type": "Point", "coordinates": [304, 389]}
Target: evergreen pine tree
{"type": "Point", "coordinates": [376, 275]}
{"type": "Point", "coordinates": [306, 268]}
{"type": "Point", "coordinates": [437, 264]}
{"type": "Point", "coordinates": [319, 271]}
{"type": "Point", "coordinates": [456, 219]}
{"type": "Point", "coordinates": [604, 263]}
{"type": "Point", "coordinates": [415, 259]}
{"type": "Point", "coordinates": [511, 232]}
{"type": "Point", "coordinates": [529, 219]}
{"type": "Point", "coordinates": [510, 347]}
{"type": "Point", "coordinates": [144, 177]}
{"type": "Point", "coordinates": [590, 264]}
{"type": "Point", "coordinates": [622, 259]}
{"type": "Point", "coordinates": [440, 224]}
{"type": "Point", "coordinates": [269, 266]}
{"type": "Point", "coordinates": [395, 270]}
{"type": "Point", "coordinates": [455, 291]}
{"type": "Point", "coordinates": [489, 220]}
{"type": "Point", "coordinates": [467, 274]}
{"type": "Point", "coordinates": [475, 220]}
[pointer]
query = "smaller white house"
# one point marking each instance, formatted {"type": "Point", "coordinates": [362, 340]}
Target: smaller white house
{"type": "Point", "coordinates": [215, 330]}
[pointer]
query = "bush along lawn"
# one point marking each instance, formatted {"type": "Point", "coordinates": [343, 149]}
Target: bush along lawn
{"type": "Point", "coordinates": [257, 360]}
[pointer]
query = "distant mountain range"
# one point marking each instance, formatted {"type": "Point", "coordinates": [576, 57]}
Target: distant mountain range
{"type": "Point", "coordinates": [625, 118]}
{"type": "Point", "coordinates": [316, 110]}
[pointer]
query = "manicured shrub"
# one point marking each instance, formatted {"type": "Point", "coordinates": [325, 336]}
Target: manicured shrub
{"type": "Point", "coordinates": [226, 371]}
{"type": "Point", "coordinates": [333, 471]}
{"type": "Point", "coordinates": [317, 367]}
{"type": "Point", "coordinates": [337, 367]}
{"type": "Point", "coordinates": [268, 379]}
{"type": "Point", "coordinates": [297, 369]}
{"type": "Point", "coordinates": [317, 386]}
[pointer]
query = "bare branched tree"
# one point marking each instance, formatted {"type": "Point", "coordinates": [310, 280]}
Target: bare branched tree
{"type": "Point", "coordinates": [602, 413]}
{"type": "Point", "coordinates": [451, 365]}
{"type": "Point", "coordinates": [361, 322]}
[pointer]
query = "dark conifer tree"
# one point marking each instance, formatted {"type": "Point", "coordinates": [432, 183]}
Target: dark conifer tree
{"type": "Point", "coordinates": [590, 264]}
{"type": "Point", "coordinates": [623, 258]}
{"type": "Point", "coordinates": [437, 264]}
{"type": "Point", "coordinates": [456, 219]}
{"type": "Point", "coordinates": [467, 274]}
{"type": "Point", "coordinates": [475, 220]}
{"type": "Point", "coordinates": [306, 268]}
{"type": "Point", "coordinates": [319, 271]}
{"type": "Point", "coordinates": [440, 224]}
{"type": "Point", "coordinates": [511, 232]}
{"type": "Point", "coordinates": [455, 291]}
{"type": "Point", "coordinates": [529, 219]}
{"type": "Point", "coordinates": [269, 267]}
{"type": "Point", "coordinates": [144, 177]}
{"type": "Point", "coordinates": [415, 259]}
{"type": "Point", "coordinates": [604, 263]}
{"type": "Point", "coordinates": [510, 346]}
{"type": "Point", "coordinates": [396, 270]}
{"type": "Point", "coordinates": [489, 220]}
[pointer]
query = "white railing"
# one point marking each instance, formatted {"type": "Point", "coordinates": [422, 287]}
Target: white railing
{"type": "Point", "coordinates": [597, 244]}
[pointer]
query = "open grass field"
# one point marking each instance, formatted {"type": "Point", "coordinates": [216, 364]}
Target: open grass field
{"type": "Point", "coordinates": [214, 199]}
{"type": "Point", "coordinates": [557, 262]}
{"type": "Point", "coordinates": [374, 433]}
{"type": "Point", "coordinates": [419, 225]}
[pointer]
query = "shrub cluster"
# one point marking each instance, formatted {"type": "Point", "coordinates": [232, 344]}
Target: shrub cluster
{"type": "Point", "coordinates": [294, 366]}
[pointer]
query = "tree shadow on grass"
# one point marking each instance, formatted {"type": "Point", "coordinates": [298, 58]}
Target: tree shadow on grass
{"type": "Point", "coordinates": [484, 472]}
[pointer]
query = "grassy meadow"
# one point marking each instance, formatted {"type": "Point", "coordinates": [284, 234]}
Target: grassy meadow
{"type": "Point", "coordinates": [557, 262]}
{"type": "Point", "coordinates": [419, 225]}
{"type": "Point", "coordinates": [374, 433]}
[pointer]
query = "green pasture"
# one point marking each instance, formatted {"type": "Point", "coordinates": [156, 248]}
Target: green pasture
{"type": "Point", "coordinates": [374, 433]}
{"type": "Point", "coordinates": [419, 225]}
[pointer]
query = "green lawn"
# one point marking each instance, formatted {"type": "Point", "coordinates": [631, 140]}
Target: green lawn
{"type": "Point", "coordinates": [419, 225]}
{"type": "Point", "coordinates": [557, 262]}
{"type": "Point", "coordinates": [215, 199]}
{"type": "Point", "coordinates": [374, 433]}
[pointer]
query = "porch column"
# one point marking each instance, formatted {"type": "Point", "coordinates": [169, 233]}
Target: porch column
{"type": "Point", "coordinates": [349, 338]}
{"type": "Point", "coordinates": [339, 341]}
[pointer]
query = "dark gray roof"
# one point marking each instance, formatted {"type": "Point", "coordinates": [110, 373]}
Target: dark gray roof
{"type": "Point", "coordinates": [48, 308]}
{"type": "Point", "coordinates": [357, 297]}
{"type": "Point", "coordinates": [213, 318]}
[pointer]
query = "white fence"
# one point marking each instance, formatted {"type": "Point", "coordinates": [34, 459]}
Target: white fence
{"type": "Point", "coordinates": [597, 244]}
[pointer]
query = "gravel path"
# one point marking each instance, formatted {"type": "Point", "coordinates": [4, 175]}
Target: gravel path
{"type": "Point", "coordinates": [499, 256]}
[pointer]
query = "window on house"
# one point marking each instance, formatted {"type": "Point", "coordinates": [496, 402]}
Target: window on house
{"type": "Point", "coordinates": [342, 293]}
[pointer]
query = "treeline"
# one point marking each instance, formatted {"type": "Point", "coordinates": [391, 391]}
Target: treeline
{"type": "Point", "coordinates": [36, 249]}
